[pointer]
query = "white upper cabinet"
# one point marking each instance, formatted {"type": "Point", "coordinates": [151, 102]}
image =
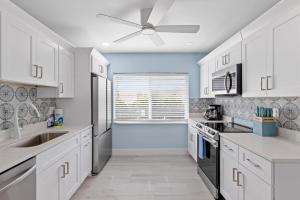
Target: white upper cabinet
{"type": "Point", "coordinates": [66, 74]}
{"type": "Point", "coordinates": [229, 53]}
{"type": "Point", "coordinates": [28, 56]}
{"type": "Point", "coordinates": [66, 77]}
{"type": "Point", "coordinates": [18, 51]}
{"type": "Point", "coordinates": [271, 55]}
{"type": "Point", "coordinates": [98, 64]}
{"type": "Point", "coordinates": [256, 59]}
{"type": "Point", "coordinates": [29, 50]}
{"type": "Point", "coordinates": [47, 60]}
{"type": "Point", "coordinates": [207, 67]}
{"type": "Point", "coordinates": [283, 75]}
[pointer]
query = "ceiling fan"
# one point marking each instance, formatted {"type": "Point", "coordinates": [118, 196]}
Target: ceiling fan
{"type": "Point", "coordinates": [150, 17]}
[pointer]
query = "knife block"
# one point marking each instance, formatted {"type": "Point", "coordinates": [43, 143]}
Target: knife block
{"type": "Point", "coordinates": [265, 127]}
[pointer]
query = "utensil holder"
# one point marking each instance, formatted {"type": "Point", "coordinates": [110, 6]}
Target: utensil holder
{"type": "Point", "coordinates": [265, 127]}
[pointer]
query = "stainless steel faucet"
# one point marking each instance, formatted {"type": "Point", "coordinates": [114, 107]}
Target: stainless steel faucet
{"type": "Point", "coordinates": [16, 117]}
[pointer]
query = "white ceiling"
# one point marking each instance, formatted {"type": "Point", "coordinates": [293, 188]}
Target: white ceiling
{"type": "Point", "coordinates": [76, 21]}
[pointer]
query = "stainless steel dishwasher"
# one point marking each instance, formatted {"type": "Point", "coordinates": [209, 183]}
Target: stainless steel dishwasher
{"type": "Point", "coordinates": [19, 182]}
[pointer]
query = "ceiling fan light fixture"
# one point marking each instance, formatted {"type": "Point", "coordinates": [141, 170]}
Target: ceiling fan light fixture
{"type": "Point", "coordinates": [105, 44]}
{"type": "Point", "coordinates": [148, 31]}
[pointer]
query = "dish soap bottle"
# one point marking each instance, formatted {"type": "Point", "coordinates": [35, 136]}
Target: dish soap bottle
{"type": "Point", "coordinates": [50, 117]}
{"type": "Point", "coordinates": [59, 118]}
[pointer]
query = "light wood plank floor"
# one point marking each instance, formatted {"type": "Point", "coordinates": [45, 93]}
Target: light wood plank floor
{"type": "Point", "coordinates": [145, 178]}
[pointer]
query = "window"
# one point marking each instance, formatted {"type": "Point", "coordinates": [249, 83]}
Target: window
{"type": "Point", "coordinates": [150, 98]}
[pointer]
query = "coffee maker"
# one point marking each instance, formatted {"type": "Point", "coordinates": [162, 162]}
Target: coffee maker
{"type": "Point", "coordinates": [214, 112]}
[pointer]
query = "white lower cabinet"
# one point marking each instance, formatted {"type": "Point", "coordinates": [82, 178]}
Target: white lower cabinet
{"type": "Point", "coordinates": [61, 179]}
{"type": "Point", "coordinates": [228, 179]}
{"type": "Point", "coordinates": [192, 140]}
{"type": "Point", "coordinates": [61, 169]}
{"type": "Point", "coordinates": [86, 154]}
{"type": "Point", "coordinates": [237, 182]}
{"type": "Point", "coordinates": [251, 187]}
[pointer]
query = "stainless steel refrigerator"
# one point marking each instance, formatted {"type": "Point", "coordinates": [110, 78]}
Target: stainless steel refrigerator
{"type": "Point", "coordinates": [101, 120]}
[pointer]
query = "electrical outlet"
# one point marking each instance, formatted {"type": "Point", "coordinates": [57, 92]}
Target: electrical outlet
{"type": "Point", "coordinates": [275, 112]}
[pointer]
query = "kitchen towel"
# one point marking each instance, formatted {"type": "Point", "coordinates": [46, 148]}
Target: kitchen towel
{"type": "Point", "coordinates": [201, 147]}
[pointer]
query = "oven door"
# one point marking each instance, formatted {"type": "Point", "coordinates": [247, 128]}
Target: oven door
{"type": "Point", "coordinates": [208, 168]}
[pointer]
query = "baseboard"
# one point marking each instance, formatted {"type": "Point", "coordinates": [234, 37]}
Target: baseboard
{"type": "Point", "coordinates": [149, 152]}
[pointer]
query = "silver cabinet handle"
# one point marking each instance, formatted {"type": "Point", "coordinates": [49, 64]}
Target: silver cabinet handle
{"type": "Point", "coordinates": [61, 87]}
{"type": "Point", "coordinates": [223, 60]}
{"type": "Point", "coordinates": [34, 71]}
{"type": "Point", "coordinates": [64, 171]}
{"type": "Point", "coordinates": [261, 83]}
{"type": "Point", "coordinates": [18, 179]}
{"type": "Point", "coordinates": [230, 149]}
{"type": "Point", "coordinates": [101, 69]}
{"type": "Point", "coordinates": [253, 163]}
{"type": "Point", "coordinates": [238, 179]}
{"type": "Point", "coordinates": [41, 72]}
{"type": "Point", "coordinates": [68, 168]}
{"type": "Point", "coordinates": [234, 170]}
{"type": "Point", "coordinates": [87, 144]}
{"type": "Point", "coordinates": [268, 83]}
{"type": "Point", "coordinates": [228, 60]}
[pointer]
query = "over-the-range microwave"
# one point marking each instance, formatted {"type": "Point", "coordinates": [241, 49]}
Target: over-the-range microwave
{"type": "Point", "coordinates": [227, 81]}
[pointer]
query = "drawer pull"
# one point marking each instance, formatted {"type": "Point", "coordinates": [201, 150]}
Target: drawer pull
{"type": "Point", "coordinates": [253, 163]}
{"type": "Point", "coordinates": [230, 149]}
{"type": "Point", "coordinates": [64, 171]}
{"type": "Point", "coordinates": [234, 170]}
{"type": "Point", "coordinates": [68, 167]}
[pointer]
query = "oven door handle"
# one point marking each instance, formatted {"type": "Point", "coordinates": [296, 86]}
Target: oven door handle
{"type": "Point", "coordinates": [212, 142]}
{"type": "Point", "coordinates": [18, 179]}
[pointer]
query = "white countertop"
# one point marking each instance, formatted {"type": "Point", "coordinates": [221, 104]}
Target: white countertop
{"type": "Point", "coordinates": [11, 156]}
{"type": "Point", "coordinates": [275, 149]}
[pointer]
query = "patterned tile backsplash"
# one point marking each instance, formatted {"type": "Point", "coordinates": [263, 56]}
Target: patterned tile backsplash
{"type": "Point", "coordinates": [14, 95]}
{"type": "Point", "coordinates": [244, 108]}
{"type": "Point", "coordinates": [200, 105]}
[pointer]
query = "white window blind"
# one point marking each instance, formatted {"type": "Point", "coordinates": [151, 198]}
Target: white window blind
{"type": "Point", "coordinates": [150, 98]}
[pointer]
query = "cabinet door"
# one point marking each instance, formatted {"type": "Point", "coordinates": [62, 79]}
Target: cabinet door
{"type": "Point", "coordinates": [47, 59]}
{"type": "Point", "coordinates": [86, 159]}
{"type": "Point", "coordinates": [66, 74]}
{"type": "Point", "coordinates": [71, 181]}
{"type": "Point", "coordinates": [228, 176]}
{"type": "Point", "coordinates": [49, 182]}
{"type": "Point", "coordinates": [252, 187]}
{"type": "Point", "coordinates": [191, 141]}
{"type": "Point", "coordinates": [256, 59]}
{"type": "Point", "coordinates": [204, 80]}
{"type": "Point", "coordinates": [283, 77]}
{"type": "Point", "coordinates": [18, 51]}
{"type": "Point", "coordinates": [234, 55]}
{"type": "Point", "coordinates": [211, 70]}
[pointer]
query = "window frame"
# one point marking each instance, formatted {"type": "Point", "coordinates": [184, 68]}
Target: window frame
{"type": "Point", "coordinates": [151, 121]}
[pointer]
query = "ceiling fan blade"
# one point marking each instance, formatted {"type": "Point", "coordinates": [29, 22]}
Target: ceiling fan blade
{"type": "Point", "coordinates": [160, 9]}
{"type": "Point", "coordinates": [118, 20]}
{"type": "Point", "coordinates": [178, 28]}
{"type": "Point", "coordinates": [145, 14]}
{"type": "Point", "coordinates": [156, 39]}
{"type": "Point", "coordinates": [127, 37]}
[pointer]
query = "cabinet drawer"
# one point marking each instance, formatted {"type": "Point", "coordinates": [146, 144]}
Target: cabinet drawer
{"type": "Point", "coordinates": [230, 148]}
{"type": "Point", "coordinates": [86, 135]}
{"type": "Point", "coordinates": [50, 156]}
{"type": "Point", "coordinates": [256, 164]}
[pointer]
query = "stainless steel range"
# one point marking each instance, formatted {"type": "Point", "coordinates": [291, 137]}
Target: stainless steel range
{"type": "Point", "coordinates": [208, 158]}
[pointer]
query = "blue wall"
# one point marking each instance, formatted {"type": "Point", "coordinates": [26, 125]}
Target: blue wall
{"type": "Point", "coordinates": [154, 135]}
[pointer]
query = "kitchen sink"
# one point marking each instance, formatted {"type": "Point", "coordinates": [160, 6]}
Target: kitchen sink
{"type": "Point", "coordinates": [40, 139]}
